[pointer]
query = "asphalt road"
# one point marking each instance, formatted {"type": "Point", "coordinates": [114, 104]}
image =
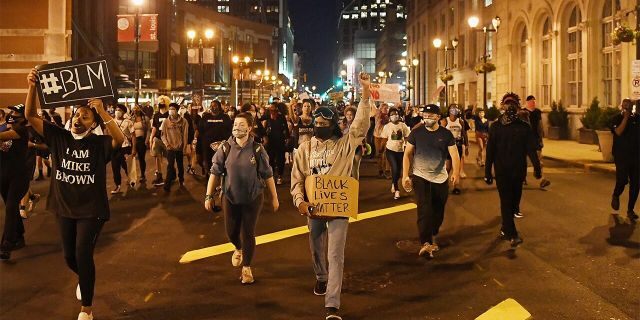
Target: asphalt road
{"type": "Point", "coordinates": [578, 260]}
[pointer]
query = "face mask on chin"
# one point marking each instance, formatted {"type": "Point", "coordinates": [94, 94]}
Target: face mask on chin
{"type": "Point", "coordinates": [80, 136]}
{"type": "Point", "coordinates": [239, 133]}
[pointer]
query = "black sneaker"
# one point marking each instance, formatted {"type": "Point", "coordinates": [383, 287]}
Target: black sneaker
{"type": "Point", "coordinates": [217, 208]}
{"type": "Point", "coordinates": [5, 255]}
{"type": "Point", "coordinates": [502, 236]}
{"type": "Point", "coordinates": [518, 215]}
{"type": "Point", "coordinates": [632, 215]}
{"type": "Point", "coordinates": [516, 242]}
{"type": "Point", "coordinates": [615, 202]}
{"type": "Point", "coordinates": [321, 288]}
{"type": "Point", "coordinates": [158, 181]}
{"type": "Point", "coordinates": [332, 314]}
{"type": "Point", "coordinates": [544, 183]}
{"type": "Point", "coordinates": [456, 191]}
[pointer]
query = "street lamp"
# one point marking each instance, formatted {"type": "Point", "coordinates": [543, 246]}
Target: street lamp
{"type": "Point", "coordinates": [437, 43]}
{"type": "Point", "coordinates": [208, 35]}
{"type": "Point", "coordinates": [137, 4]}
{"type": "Point", "coordinates": [495, 24]}
{"type": "Point", "coordinates": [404, 63]}
{"type": "Point", "coordinates": [242, 64]}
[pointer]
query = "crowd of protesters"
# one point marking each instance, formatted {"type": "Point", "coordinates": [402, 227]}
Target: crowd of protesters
{"type": "Point", "coordinates": [249, 149]}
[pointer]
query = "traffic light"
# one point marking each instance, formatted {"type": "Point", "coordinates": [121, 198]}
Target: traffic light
{"type": "Point", "coordinates": [339, 83]}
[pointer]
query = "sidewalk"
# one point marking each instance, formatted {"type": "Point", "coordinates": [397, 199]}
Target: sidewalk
{"type": "Point", "coordinates": [573, 153]}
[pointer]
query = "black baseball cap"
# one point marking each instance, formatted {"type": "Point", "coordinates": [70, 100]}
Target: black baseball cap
{"type": "Point", "coordinates": [19, 108]}
{"type": "Point", "coordinates": [529, 98]}
{"type": "Point", "coordinates": [430, 108]}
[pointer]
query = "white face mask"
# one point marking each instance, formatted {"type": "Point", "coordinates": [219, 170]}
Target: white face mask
{"type": "Point", "coordinates": [172, 113]}
{"type": "Point", "coordinates": [430, 123]}
{"type": "Point", "coordinates": [230, 114]}
{"type": "Point", "coordinates": [394, 118]}
{"type": "Point", "coordinates": [119, 114]}
{"type": "Point", "coordinates": [80, 136]}
{"type": "Point", "coordinates": [182, 111]}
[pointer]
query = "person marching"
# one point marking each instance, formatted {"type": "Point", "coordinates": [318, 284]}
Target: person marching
{"type": "Point", "coordinates": [140, 130]}
{"type": "Point", "coordinates": [214, 126]}
{"type": "Point", "coordinates": [329, 153]}
{"type": "Point", "coordinates": [277, 134]}
{"type": "Point", "coordinates": [175, 132]}
{"type": "Point", "coordinates": [396, 133]}
{"type": "Point", "coordinates": [381, 119]}
{"type": "Point", "coordinates": [482, 135]}
{"type": "Point", "coordinates": [626, 129]}
{"type": "Point", "coordinates": [458, 127]}
{"type": "Point", "coordinates": [78, 192]}
{"type": "Point", "coordinates": [119, 159]}
{"type": "Point", "coordinates": [303, 124]}
{"type": "Point", "coordinates": [533, 116]}
{"type": "Point", "coordinates": [243, 165]}
{"type": "Point", "coordinates": [427, 150]}
{"type": "Point", "coordinates": [510, 141]}
{"type": "Point", "coordinates": [158, 149]}
{"type": "Point", "coordinates": [15, 176]}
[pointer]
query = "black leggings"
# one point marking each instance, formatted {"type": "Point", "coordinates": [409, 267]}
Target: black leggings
{"type": "Point", "coordinates": [627, 171]}
{"type": "Point", "coordinates": [119, 161]}
{"type": "Point", "coordinates": [395, 160]}
{"type": "Point", "coordinates": [276, 158]}
{"type": "Point", "coordinates": [174, 158]}
{"type": "Point", "coordinates": [431, 199]}
{"type": "Point", "coordinates": [242, 217]}
{"type": "Point", "coordinates": [79, 238]}
{"type": "Point", "coordinates": [510, 191]}
{"type": "Point", "coordinates": [141, 150]}
{"type": "Point", "coordinates": [13, 187]}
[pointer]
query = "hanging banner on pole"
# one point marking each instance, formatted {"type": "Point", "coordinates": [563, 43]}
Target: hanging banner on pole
{"type": "Point", "coordinates": [635, 79]}
{"type": "Point", "coordinates": [385, 92]}
{"type": "Point", "coordinates": [207, 56]}
{"type": "Point", "coordinates": [127, 27]}
{"type": "Point", "coordinates": [74, 82]}
{"type": "Point", "coordinates": [193, 56]}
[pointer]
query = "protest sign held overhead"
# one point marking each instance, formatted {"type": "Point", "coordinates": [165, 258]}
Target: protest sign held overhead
{"type": "Point", "coordinates": [74, 82]}
{"type": "Point", "coordinates": [385, 92]}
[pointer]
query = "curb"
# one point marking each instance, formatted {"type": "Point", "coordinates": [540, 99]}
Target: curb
{"type": "Point", "coordinates": [588, 167]}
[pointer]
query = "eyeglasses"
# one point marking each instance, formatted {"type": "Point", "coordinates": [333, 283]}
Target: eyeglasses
{"type": "Point", "coordinates": [325, 113]}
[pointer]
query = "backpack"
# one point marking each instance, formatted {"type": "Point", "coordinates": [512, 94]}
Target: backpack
{"type": "Point", "coordinates": [257, 147]}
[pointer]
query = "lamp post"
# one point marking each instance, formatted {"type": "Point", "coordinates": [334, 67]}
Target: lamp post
{"type": "Point", "coordinates": [406, 66]}
{"type": "Point", "coordinates": [437, 43]}
{"type": "Point", "coordinates": [242, 63]}
{"type": "Point", "coordinates": [208, 35]}
{"type": "Point", "coordinates": [137, 4]}
{"type": "Point", "coordinates": [495, 24]}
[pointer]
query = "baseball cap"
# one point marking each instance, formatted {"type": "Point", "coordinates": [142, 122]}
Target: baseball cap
{"type": "Point", "coordinates": [19, 108]}
{"type": "Point", "coordinates": [430, 108]}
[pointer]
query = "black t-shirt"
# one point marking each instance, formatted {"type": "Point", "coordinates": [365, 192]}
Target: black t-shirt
{"type": "Point", "coordinates": [214, 128]}
{"type": "Point", "coordinates": [158, 119]}
{"type": "Point", "coordinates": [431, 152]}
{"type": "Point", "coordinates": [412, 121]}
{"type": "Point", "coordinates": [277, 130]}
{"type": "Point", "coordinates": [533, 118]}
{"type": "Point", "coordinates": [78, 187]}
{"type": "Point", "coordinates": [13, 154]}
{"type": "Point", "coordinates": [626, 145]}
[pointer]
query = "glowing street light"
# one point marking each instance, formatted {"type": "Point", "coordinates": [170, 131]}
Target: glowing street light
{"type": "Point", "coordinates": [437, 43]}
{"type": "Point", "coordinates": [191, 34]}
{"type": "Point", "coordinates": [247, 59]}
{"type": "Point", "coordinates": [235, 59]}
{"type": "Point", "coordinates": [473, 22]}
{"type": "Point", "coordinates": [208, 34]}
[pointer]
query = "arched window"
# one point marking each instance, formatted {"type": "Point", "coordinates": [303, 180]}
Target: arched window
{"type": "Point", "coordinates": [611, 55]}
{"type": "Point", "coordinates": [523, 63]}
{"type": "Point", "coordinates": [546, 62]}
{"type": "Point", "coordinates": [574, 58]}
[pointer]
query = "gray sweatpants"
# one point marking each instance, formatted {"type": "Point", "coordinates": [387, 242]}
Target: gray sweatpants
{"type": "Point", "coordinates": [327, 239]}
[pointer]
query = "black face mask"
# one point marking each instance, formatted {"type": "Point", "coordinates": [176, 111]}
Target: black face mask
{"type": "Point", "coordinates": [323, 133]}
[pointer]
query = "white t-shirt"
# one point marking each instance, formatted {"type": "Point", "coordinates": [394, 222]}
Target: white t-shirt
{"type": "Point", "coordinates": [395, 135]}
{"type": "Point", "coordinates": [455, 127]}
{"type": "Point", "coordinates": [126, 126]}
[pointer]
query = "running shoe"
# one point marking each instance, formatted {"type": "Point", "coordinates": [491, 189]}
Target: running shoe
{"type": "Point", "coordinates": [320, 289]}
{"type": "Point", "coordinates": [78, 293]}
{"type": "Point", "coordinates": [33, 200]}
{"type": "Point", "coordinates": [85, 316]}
{"type": "Point", "coordinates": [426, 250]}
{"type": "Point", "coordinates": [516, 242]}
{"type": "Point", "coordinates": [518, 215]}
{"type": "Point", "coordinates": [463, 175]}
{"type": "Point", "coordinates": [5, 255]}
{"type": "Point", "coordinates": [456, 191]}
{"type": "Point", "coordinates": [236, 258]}
{"type": "Point", "coordinates": [116, 190]}
{"type": "Point", "coordinates": [279, 181]}
{"type": "Point", "coordinates": [615, 203]}
{"type": "Point", "coordinates": [632, 215]}
{"type": "Point", "coordinates": [332, 314]}
{"type": "Point", "coordinates": [396, 195]}
{"type": "Point", "coordinates": [23, 212]}
{"type": "Point", "coordinates": [247, 276]}
{"type": "Point", "coordinates": [158, 181]}
{"type": "Point", "coordinates": [544, 183]}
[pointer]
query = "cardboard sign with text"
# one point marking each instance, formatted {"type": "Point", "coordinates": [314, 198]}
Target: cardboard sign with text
{"type": "Point", "coordinates": [336, 96]}
{"type": "Point", "coordinates": [74, 82]}
{"type": "Point", "coordinates": [333, 196]}
{"type": "Point", "coordinates": [385, 92]}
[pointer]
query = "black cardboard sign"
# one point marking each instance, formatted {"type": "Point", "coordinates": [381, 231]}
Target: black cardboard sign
{"type": "Point", "coordinates": [74, 82]}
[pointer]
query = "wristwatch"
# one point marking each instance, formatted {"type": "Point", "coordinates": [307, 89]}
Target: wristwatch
{"type": "Point", "coordinates": [208, 197]}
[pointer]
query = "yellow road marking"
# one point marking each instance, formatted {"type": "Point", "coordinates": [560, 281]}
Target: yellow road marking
{"type": "Point", "coordinates": [479, 267]}
{"type": "Point", "coordinates": [498, 282]}
{"type": "Point", "coordinates": [283, 234]}
{"type": "Point", "coordinates": [148, 297]}
{"type": "Point", "coordinates": [507, 310]}
{"type": "Point", "coordinates": [166, 276]}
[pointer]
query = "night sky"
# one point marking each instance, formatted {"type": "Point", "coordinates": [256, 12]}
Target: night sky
{"type": "Point", "coordinates": [315, 30]}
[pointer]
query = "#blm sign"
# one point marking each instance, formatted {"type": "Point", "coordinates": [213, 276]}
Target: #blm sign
{"type": "Point", "coordinates": [333, 196]}
{"type": "Point", "coordinates": [385, 92]}
{"type": "Point", "coordinates": [74, 82]}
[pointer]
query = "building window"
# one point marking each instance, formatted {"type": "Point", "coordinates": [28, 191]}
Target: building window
{"type": "Point", "coordinates": [611, 55]}
{"type": "Point", "coordinates": [365, 51]}
{"type": "Point", "coordinates": [574, 58]}
{"type": "Point", "coordinates": [460, 53]}
{"type": "Point", "coordinates": [223, 9]}
{"type": "Point", "coordinates": [488, 3]}
{"type": "Point", "coordinates": [523, 62]}
{"type": "Point", "coordinates": [546, 63]}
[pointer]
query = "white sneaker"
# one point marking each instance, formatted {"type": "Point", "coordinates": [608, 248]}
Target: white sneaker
{"type": "Point", "coordinates": [85, 316]}
{"type": "Point", "coordinates": [78, 293]}
{"type": "Point", "coordinates": [463, 175]}
{"type": "Point", "coordinates": [116, 190]}
{"type": "Point", "coordinates": [236, 258]}
{"type": "Point", "coordinates": [427, 250]}
{"type": "Point", "coordinates": [247, 276]}
{"type": "Point", "coordinates": [23, 212]}
{"type": "Point", "coordinates": [33, 202]}
{"type": "Point", "coordinates": [396, 195]}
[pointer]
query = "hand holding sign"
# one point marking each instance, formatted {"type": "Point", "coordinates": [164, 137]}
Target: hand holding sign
{"type": "Point", "coordinates": [331, 196]}
{"type": "Point", "coordinates": [32, 77]}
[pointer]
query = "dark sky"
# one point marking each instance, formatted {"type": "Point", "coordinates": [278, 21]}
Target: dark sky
{"type": "Point", "coordinates": [315, 30]}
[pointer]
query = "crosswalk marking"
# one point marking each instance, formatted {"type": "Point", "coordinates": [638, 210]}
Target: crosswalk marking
{"type": "Point", "coordinates": [203, 253]}
{"type": "Point", "coordinates": [508, 309]}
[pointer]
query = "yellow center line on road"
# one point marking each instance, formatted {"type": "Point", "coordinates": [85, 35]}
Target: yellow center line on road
{"type": "Point", "coordinates": [284, 234]}
{"type": "Point", "coordinates": [508, 309]}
